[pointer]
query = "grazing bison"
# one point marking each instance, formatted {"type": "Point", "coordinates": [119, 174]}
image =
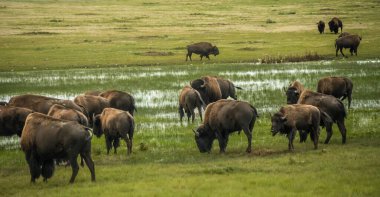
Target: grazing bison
{"type": "Point", "coordinates": [304, 118]}
{"type": "Point", "coordinates": [321, 27]}
{"type": "Point", "coordinates": [350, 41]}
{"type": "Point", "coordinates": [203, 49]}
{"type": "Point", "coordinates": [120, 100]}
{"type": "Point", "coordinates": [222, 118]}
{"type": "Point", "coordinates": [293, 92]}
{"type": "Point", "coordinates": [93, 105]}
{"type": "Point", "coordinates": [339, 87]}
{"type": "Point", "coordinates": [334, 25]}
{"type": "Point", "coordinates": [12, 120]}
{"type": "Point", "coordinates": [41, 104]}
{"type": "Point", "coordinates": [189, 99]}
{"type": "Point", "coordinates": [214, 88]}
{"type": "Point", "coordinates": [329, 104]}
{"type": "Point", "coordinates": [62, 112]}
{"type": "Point", "coordinates": [45, 138]}
{"type": "Point", "coordinates": [343, 34]}
{"type": "Point", "coordinates": [92, 92]}
{"type": "Point", "coordinates": [115, 124]}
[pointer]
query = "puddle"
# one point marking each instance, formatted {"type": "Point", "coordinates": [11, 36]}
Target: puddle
{"type": "Point", "coordinates": [259, 85]}
{"type": "Point", "coordinates": [275, 72]}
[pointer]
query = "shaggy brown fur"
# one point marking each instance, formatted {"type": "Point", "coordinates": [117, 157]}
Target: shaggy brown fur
{"type": "Point", "coordinates": [61, 112]}
{"type": "Point", "coordinates": [120, 100]}
{"type": "Point", "coordinates": [12, 120]}
{"type": "Point", "coordinates": [202, 48]}
{"type": "Point", "coordinates": [94, 105]}
{"type": "Point", "coordinates": [339, 87]}
{"type": "Point", "coordinates": [189, 99]}
{"type": "Point", "coordinates": [351, 41]}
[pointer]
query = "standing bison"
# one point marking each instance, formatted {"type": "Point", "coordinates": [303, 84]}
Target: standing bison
{"type": "Point", "coordinates": [12, 120]}
{"type": "Point", "coordinates": [93, 105]}
{"type": "Point", "coordinates": [214, 88]}
{"type": "Point", "coordinates": [115, 124]}
{"type": "Point", "coordinates": [203, 49]}
{"type": "Point", "coordinates": [351, 41]}
{"type": "Point", "coordinates": [41, 104]}
{"type": "Point", "coordinates": [321, 27]}
{"type": "Point", "coordinates": [339, 87]}
{"type": "Point", "coordinates": [189, 99]}
{"type": "Point", "coordinates": [62, 112]}
{"type": "Point", "coordinates": [45, 138]}
{"type": "Point", "coordinates": [120, 100]}
{"type": "Point", "coordinates": [221, 119]}
{"type": "Point", "coordinates": [293, 92]}
{"type": "Point", "coordinates": [334, 25]}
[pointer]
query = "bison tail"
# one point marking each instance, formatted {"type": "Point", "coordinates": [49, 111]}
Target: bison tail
{"type": "Point", "coordinates": [254, 109]}
{"type": "Point", "coordinates": [237, 87]}
{"type": "Point", "coordinates": [89, 130]}
{"type": "Point", "coordinates": [326, 119]}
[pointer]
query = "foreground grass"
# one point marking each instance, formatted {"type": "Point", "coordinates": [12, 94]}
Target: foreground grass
{"type": "Point", "coordinates": [66, 34]}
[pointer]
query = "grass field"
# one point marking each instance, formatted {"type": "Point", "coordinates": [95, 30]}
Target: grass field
{"type": "Point", "coordinates": [63, 48]}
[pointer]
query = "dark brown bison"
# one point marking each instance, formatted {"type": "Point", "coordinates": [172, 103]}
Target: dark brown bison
{"type": "Point", "coordinates": [92, 92]}
{"type": "Point", "coordinates": [12, 120]}
{"type": "Point", "coordinates": [41, 104]}
{"type": "Point", "coordinates": [334, 25]}
{"type": "Point", "coordinates": [351, 41]}
{"type": "Point", "coordinates": [293, 92]}
{"type": "Point", "coordinates": [189, 99]}
{"type": "Point", "coordinates": [329, 104]}
{"type": "Point", "coordinates": [321, 27]}
{"type": "Point", "coordinates": [297, 117]}
{"type": "Point", "coordinates": [45, 138]}
{"type": "Point", "coordinates": [120, 100]}
{"type": "Point", "coordinates": [203, 49]}
{"type": "Point", "coordinates": [214, 88]}
{"type": "Point", "coordinates": [62, 112]}
{"type": "Point", "coordinates": [115, 124]}
{"type": "Point", "coordinates": [343, 34]}
{"type": "Point", "coordinates": [221, 119]}
{"type": "Point", "coordinates": [339, 87]}
{"type": "Point", "coordinates": [93, 105]}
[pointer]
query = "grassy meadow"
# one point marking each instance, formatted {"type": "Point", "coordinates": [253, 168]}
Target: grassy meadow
{"type": "Point", "coordinates": [63, 48]}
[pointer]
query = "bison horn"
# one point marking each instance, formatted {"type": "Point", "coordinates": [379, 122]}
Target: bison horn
{"type": "Point", "coordinates": [196, 133]}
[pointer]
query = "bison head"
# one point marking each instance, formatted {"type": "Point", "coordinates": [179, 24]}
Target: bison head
{"type": "Point", "coordinates": [292, 95]}
{"type": "Point", "coordinates": [201, 86]}
{"type": "Point", "coordinates": [278, 123]}
{"type": "Point", "coordinates": [97, 128]}
{"type": "Point", "coordinates": [215, 51]}
{"type": "Point", "coordinates": [204, 139]}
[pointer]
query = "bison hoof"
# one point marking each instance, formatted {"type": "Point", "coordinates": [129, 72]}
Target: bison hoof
{"type": "Point", "coordinates": [248, 150]}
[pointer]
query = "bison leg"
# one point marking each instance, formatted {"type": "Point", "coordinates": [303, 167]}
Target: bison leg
{"type": "Point", "coordinates": [47, 169]}
{"type": "Point", "coordinates": [116, 143]}
{"type": "Point", "coordinates": [329, 133]}
{"type": "Point", "coordinates": [200, 112]}
{"type": "Point", "coordinates": [342, 129]}
{"type": "Point", "coordinates": [189, 55]}
{"type": "Point", "coordinates": [129, 145]}
{"type": "Point", "coordinates": [90, 164]}
{"type": "Point", "coordinates": [208, 57]}
{"type": "Point", "coordinates": [352, 51]}
{"type": "Point", "coordinates": [74, 167]}
{"type": "Point", "coordinates": [108, 144]}
{"type": "Point", "coordinates": [34, 166]}
{"type": "Point", "coordinates": [248, 133]}
{"type": "Point", "coordinates": [341, 51]}
{"type": "Point", "coordinates": [192, 116]}
{"type": "Point", "coordinates": [314, 135]}
{"type": "Point", "coordinates": [181, 113]}
{"type": "Point", "coordinates": [303, 136]}
{"type": "Point", "coordinates": [356, 51]}
{"type": "Point", "coordinates": [291, 138]}
{"type": "Point", "coordinates": [221, 140]}
{"type": "Point", "coordinates": [201, 57]}
{"type": "Point", "coordinates": [336, 52]}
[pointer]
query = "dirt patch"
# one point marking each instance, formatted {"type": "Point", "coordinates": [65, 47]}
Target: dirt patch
{"type": "Point", "coordinates": [155, 53]}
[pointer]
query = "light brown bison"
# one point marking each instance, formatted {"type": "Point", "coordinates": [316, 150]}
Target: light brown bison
{"type": "Point", "coordinates": [291, 118]}
{"type": "Point", "coordinates": [222, 118]}
{"type": "Point", "coordinates": [293, 92]}
{"type": "Point", "coordinates": [62, 112]}
{"type": "Point", "coordinates": [343, 34]}
{"type": "Point", "coordinates": [115, 124]}
{"type": "Point", "coordinates": [45, 138]}
{"type": "Point", "coordinates": [93, 105]}
{"type": "Point", "coordinates": [339, 87]}
{"type": "Point", "coordinates": [203, 49]}
{"type": "Point", "coordinates": [351, 41]}
{"type": "Point", "coordinates": [214, 88]}
{"type": "Point", "coordinates": [120, 100]}
{"type": "Point", "coordinates": [41, 104]}
{"type": "Point", "coordinates": [12, 120]}
{"type": "Point", "coordinates": [189, 99]}
{"type": "Point", "coordinates": [334, 25]}
{"type": "Point", "coordinates": [321, 27]}
{"type": "Point", "coordinates": [329, 104]}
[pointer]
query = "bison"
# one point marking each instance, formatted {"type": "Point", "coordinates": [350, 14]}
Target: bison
{"type": "Point", "coordinates": [41, 104]}
{"type": "Point", "coordinates": [339, 87]}
{"type": "Point", "coordinates": [293, 92]}
{"type": "Point", "coordinates": [203, 49]}
{"type": "Point", "coordinates": [291, 118]}
{"type": "Point", "coordinates": [222, 118]}
{"type": "Point", "coordinates": [350, 41]}
{"type": "Point", "coordinates": [94, 105]}
{"type": "Point", "coordinates": [321, 27]}
{"type": "Point", "coordinates": [326, 103]}
{"type": "Point", "coordinates": [45, 138]}
{"type": "Point", "coordinates": [189, 99]}
{"type": "Point", "coordinates": [120, 100]}
{"type": "Point", "coordinates": [62, 112]}
{"type": "Point", "coordinates": [343, 34]}
{"type": "Point", "coordinates": [115, 124]}
{"type": "Point", "coordinates": [334, 25]}
{"type": "Point", "coordinates": [12, 120]}
{"type": "Point", "coordinates": [214, 88]}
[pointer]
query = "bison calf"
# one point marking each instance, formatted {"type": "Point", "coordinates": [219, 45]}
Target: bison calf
{"type": "Point", "coordinates": [295, 117]}
{"type": "Point", "coordinates": [45, 138]}
{"type": "Point", "coordinates": [189, 99]}
{"type": "Point", "coordinates": [115, 124]}
{"type": "Point", "coordinates": [221, 119]}
{"type": "Point", "coordinates": [350, 41]}
{"type": "Point", "coordinates": [202, 48]}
